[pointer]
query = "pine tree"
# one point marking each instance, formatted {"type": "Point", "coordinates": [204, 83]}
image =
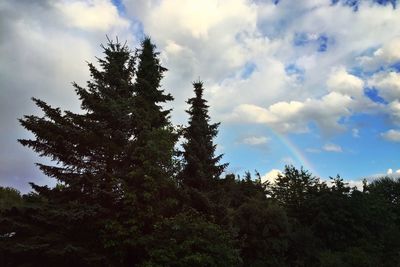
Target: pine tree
{"type": "Point", "coordinates": [201, 166]}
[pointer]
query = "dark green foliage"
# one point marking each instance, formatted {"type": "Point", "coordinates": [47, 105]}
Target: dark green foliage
{"type": "Point", "coordinates": [93, 152]}
{"type": "Point", "coordinates": [92, 149]}
{"type": "Point", "coordinates": [9, 197]}
{"type": "Point", "coordinates": [339, 225]}
{"type": "Point", "coordinates": [45, 234]}
{"type": "Point", "coordinates": [262, 231]}
{"type": "Point", "coordinates": [190, 240]}
{"type": "Point", "coordinates": [294, 189]}
{"type": "Point", "coordinates": [201, 167]}
{"type": "Point", "coordinates": [114, 164]}
{"type": "Point", "coordinates": [154, 135]}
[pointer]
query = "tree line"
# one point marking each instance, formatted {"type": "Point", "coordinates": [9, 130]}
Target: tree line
{"type": "Point", "coordinates": [128, 195]}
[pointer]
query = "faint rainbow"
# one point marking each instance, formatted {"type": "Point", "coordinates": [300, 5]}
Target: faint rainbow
{"type": "Point", "coordinates": [296, 152]}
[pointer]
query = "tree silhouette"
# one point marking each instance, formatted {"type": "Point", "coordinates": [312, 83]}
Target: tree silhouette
{"type": "Point", "coordinates": [201, 166]}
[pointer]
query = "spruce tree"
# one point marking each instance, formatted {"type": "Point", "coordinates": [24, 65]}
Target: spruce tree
{"type": "Point", "coordinates": [91, 149]}
{"type": "Point", "coordinates": [154, 134]}
{"type": "Point", "coordinates": [201, 167]}
{"type": "Point", "coordinates": [150, 191]}
{"type": "Point", "coordinates": [65, 225]}
{"type": "Point", "coordinates": [113, 163]}
{"type": "Point", "coordinates": [154, 141]}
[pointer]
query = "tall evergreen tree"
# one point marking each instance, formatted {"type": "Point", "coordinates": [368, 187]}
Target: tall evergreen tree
{"type": "Point", "coordinates": [113, 165]}
{"type": "Point", "coordinates": [154, 134]}
{"type": "Point", "coordinates": [91, 149]}
{"type": "Point", "coordinates": [154, 140]}
{"type": "Point", "coordinates": [93, 153]}
{"type": "Point", "coordinates": [201, 166]}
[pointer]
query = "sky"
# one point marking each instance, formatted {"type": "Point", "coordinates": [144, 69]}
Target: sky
{"type": "Point", "coordinates": [313, 83]}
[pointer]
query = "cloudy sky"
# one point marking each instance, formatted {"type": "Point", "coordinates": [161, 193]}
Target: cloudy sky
{"type": "Point", "coordinates": [314, 83]}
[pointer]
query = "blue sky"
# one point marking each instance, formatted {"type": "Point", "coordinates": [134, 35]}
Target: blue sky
{"type": "Point", "coordinates": [314, 83]}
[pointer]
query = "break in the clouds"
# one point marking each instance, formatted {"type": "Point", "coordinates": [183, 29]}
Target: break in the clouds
{"type": "Point", "coordinates": [296, 76]}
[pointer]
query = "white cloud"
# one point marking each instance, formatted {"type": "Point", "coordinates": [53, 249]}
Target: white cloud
{"type": "Point", "coordinates": [192, 36]}
{"type": "Point", "coordinates": [206, 28]}
{"type": "Point", "coordinates": [345, 97]}
{"type": "Point", "coordinates": [294, 116]}
{"type": "Point", "coordinates": [256, 140]}
{"type": "Point", "coordinates": [388, 84]}
{"type": "Point", "coordinates": [391, 135]}
{"type": "Point", "coordinates": [195, 18]}
{"type": "Point", "coordinates": [342, 82]}
{"type": "Point", "coordinates": [282, 116]}
{"type": "Point", "coordinates": [213, 40]}
{"type": "Point", "coordinates": [393, 108]}
{"type": "Point", "coordinates": [41, 57]}
{"type": "Point", "coordinates": [356, 183]}
{"type": "Point", "coordinates": [330, 147]}
{"type": "Point", "coordinates": [388, 54]}
{"type": "Point", "coordinates": [389, 173]}
{"type": "Point", "coordinates": [98, 15]}
{"type": "Point", "coordinates": [271, 176]}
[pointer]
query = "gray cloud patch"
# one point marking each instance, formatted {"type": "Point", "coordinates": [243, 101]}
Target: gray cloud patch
{"type": "Point", "coordinates": [40, 57]}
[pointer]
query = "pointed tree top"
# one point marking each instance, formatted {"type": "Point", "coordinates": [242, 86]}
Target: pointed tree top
{"type": "Point", "coordinates": [147, 42]}
{"type": "Point", "coordinates": [115, 46]}
{"type": "Point", "coordinates": [198, 87]}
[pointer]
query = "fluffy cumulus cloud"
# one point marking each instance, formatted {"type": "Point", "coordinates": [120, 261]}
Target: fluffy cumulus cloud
{"type": "Point", "coordinates": [209, 39]}
{"type": "Point", "coordinates": [263, 66]}
{"type": "Point", "coordinates": [342, 82]}
{"type": "Point", "coordinates": [98, 15]}
{"type": "Point", "coordinates": [271, 176]}
{"type": "Point", "coordinates": [283, 64]}
{"type": "Point", "coordinates": [387, 83]}
{"type": "Point", "coordinates": [295, 116]}
{"type": "Point", "coordinates": [385, 55]}
{"type": "Point", "coordinates": [392, 135]}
